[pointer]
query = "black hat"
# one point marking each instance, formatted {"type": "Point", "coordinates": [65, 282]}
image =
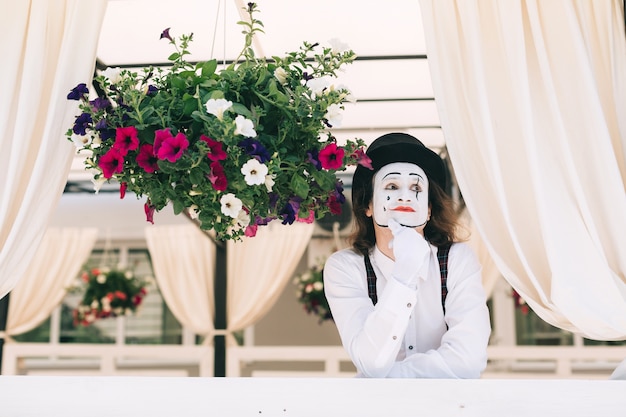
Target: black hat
{"type": "Point", "coordinates": [400, 147]}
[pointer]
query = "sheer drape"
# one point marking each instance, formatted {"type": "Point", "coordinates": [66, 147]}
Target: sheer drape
{"type": "Point", "coordinates": [183, 260]}
{"type": "Point", "coordinates": [47, 48]}
{"type": "Point", "coordinates": [260, 267]}
{"type": "Point", "coordinates": [532, 101]}
{"type": "Point", "coordinates": [52, 270]}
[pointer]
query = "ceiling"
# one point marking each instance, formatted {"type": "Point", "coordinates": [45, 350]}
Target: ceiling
{"type": "Point", "coordinates": [390, 78]}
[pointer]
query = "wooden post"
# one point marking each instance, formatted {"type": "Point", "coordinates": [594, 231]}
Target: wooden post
{"type": "Point", "coordinates": [4, 315]}
{"type": "Point", "coordinates": [220, 292]}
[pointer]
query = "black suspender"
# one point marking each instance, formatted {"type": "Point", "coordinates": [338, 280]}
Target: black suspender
{"type": "Point", "coordinates": [442, 257]}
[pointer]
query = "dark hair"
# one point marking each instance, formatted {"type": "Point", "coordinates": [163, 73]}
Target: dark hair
{"type": "Point", "coordinates": [439, 231]}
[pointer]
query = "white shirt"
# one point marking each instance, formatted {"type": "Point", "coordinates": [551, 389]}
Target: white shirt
{"type": "Point", "coordinates": [405, 334]}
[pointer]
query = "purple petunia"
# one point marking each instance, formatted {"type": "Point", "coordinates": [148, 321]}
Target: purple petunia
{"type": "Point", "coordinates": [100, 103]}
{"type": "Point", "coordinates": [255, 149]}
{"type": "Point", "coordinates": [313, 156]}
{"type": "Point", "coordinates": [82, 123]}
{"type": "Point", "coordinates": [78, 92]}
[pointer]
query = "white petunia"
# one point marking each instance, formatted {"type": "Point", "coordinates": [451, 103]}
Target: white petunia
{"type": "Point", "coordinates": [245, 127]}
{"type": "Point", "coordinates": [269, 182]}
{"type": "Point", "coordinates": [281, 75]}
{"type": "Point", "coordinates": [337, 46]}
{"type": "Point", "coordinates": [243, 219]}
{"type": "Point", "coordinates": [113, 74]}
{"type": "Point", "coordinates": [101, 279]}
{"type": "Point", "coordinates": [318, 85]}
{"type": "Point", "coordinates": [334, 115]}
{"type": "Point", "coordinates": [254, 172]}
{"type": "Point", "coordinates": [318, 286]}
{"type": "Point", "coordinates": [217, 107]}
{"type": "Point", "coordinates": [194, 211]}
{"type": "Point", "coordinates": [231, 205]}
{"type": "Point", "coordinates": [97, 183]}
{"type": "Point", "coordinates": [79, 140]}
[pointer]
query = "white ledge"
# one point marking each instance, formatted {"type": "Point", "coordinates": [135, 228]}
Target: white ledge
{"type": "Point", "coordinates": [26, 396]}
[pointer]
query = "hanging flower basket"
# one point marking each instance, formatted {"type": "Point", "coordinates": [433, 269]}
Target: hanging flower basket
{"type": "Point", "coordinates": [107, 293]}
{"type": "Point", "coordinates": [236, 148]}
{"type": "Point", "coordinates": [310, 292]}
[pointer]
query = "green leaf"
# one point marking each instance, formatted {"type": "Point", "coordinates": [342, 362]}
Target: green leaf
{"type": "Point", "coordinates": [325, 179]}
{"type": "Point", "coordinates": [299, 186]}
{"type": "Point", "coordinates": [178, 206]}
{"type": "Point", "coordinates": [196, 176]}
{"type": "Point", "coordinates": [174, 56]}
{"type": "Point", "coordinates": [241, 109]}
{"type": "Point", "coordinates": [208, 68]}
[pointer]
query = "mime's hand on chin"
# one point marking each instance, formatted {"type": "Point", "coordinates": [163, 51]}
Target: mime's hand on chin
{"type": "Point", "coordinates": [411, 253]}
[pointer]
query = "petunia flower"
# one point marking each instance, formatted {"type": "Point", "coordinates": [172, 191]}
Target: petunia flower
{"type": "Point", "coordinates": [82, 123]}
{"type": "Point", "coordinates": [100, 103]}
{"type": "Point", "coordinates": [254, 172]}
{"type": "Point", "coordinates": [218, 177]}
{"type": "Point", "coordinates": [148, 208]}
{"type": "Point", "coordinates": [281, 75]}
{"type": "Point", "coordinates": [111, 163]}
{"type": "Point", "coordinates": [334, 115]}
{"type": "Point", "coordinates": [172, 148]}
{"type": "Point", "coordinates": [308, 219]}
{"type": "Point", "coordinates": [231, 205]}
{"type": "Point", "coordinates": [216, 153]}
{"type": "Point", "coordinates": [113, 74]}
{"type": "Point", "coordinates": [126, 139]}
{"type": "Point", "coordinates": [251, 230]}
{"type": "Point", "coordinates": [166, 34]}
{"type": "Point", "coordinates": [123, 187]}
{"type": "Point", "coordinates": [288, 214]}
{"type": "Point", "coordinates": [256, 149]}
{"type": "Point", "coordinates": [338, 46]}
{"type": "Point", "coordinates": [331, 157]}
{"type": "Point", "coordinates": [334, 205]}
{"type": "Point", "coordinates": [245, 127]}
{"type": "Point", "coordinates": [217, 107]}
{"type": "Point", "coordinates": [147, 159]}
{"type": "Point", "coordinates": [269, 182]}
{"type": "Point", "coordinates": [78, 92]}
{"type": "Point", "coordinates": [313, 157]}
{"type": "Point", "coordinates": [159, 137]}
{"type": "Point", "coordinates": [362, 159]}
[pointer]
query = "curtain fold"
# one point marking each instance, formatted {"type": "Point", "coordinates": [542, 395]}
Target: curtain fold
{"type": "Point", "coordinates": [183, 259]}
{"type": "Point", "coordinates": [54, 267]}
{"type": "Point", "coordinates": [48, 47]}
{"type": "Point", "coordinates": [532, 100]}
{"type": "Point", "coordinates": [260, 267]}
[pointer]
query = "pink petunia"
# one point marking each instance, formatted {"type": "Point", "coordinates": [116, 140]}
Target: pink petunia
{"type": "Point", "coordinates": [147, 159]}
{"type": "Point", "coordinates": [363, 159]}
{"type": "Point", "coordinates": [126, 139]}
{"type": "Point", "coordinates": [111, 163]}
{"type": "Point", "coordinates": [159, 137]}
{"type": "Point", "coordinates": [123, 187]}
{"type": "Point", "coordinates": [334, 205]}
{"type": "Point", "coordinates": [309, 219]}
{"type": "Point", "coordinates": [216, 153]}
{"type": "Point", "coordinates": [172, 148]}
{"type": "Point", "coordinates": [218, 177]}
{"type": "Point", "coordinates": [331, 157]}
{"type": "Point", "coordinates": [148, 208]}
{"type": "Point", "coordinates": [251, 230]}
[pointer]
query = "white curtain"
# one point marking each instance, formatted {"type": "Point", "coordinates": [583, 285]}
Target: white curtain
{"type": "Point", "coordinates": [260, 267]}
{"type": "Point", "coordinates": [52, 270]}
{"type": "Point", "coordinates": [532, 101]}
{"type": "Point", "coordinates": [47, 48]}
{"type": "Point", "coordinates": [183, 259]}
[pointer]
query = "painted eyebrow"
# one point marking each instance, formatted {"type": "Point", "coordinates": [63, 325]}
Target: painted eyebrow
{"type": "Point", "coordinates": [397, 173]}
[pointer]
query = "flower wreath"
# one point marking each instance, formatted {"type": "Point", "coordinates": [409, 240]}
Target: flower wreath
{"type": "Point", "coordinates": [108, 293]}
{"type": "Point", "coordinates": [236, 148]}
{"type": "Point", "coordinates": [310, 292]}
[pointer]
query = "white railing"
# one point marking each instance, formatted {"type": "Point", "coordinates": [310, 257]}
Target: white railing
{"type": "Point", "coordinates": [73, 396]}
{"type": "Point", "coordinates": [556, 362]}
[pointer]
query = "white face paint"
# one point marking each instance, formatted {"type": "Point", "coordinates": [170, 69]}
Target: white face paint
{"type": "Point", "coordinates": [400, 193]}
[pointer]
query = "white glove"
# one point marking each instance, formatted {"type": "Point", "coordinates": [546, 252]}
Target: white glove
{"type": "Point", "coordinates": [411, 251]}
